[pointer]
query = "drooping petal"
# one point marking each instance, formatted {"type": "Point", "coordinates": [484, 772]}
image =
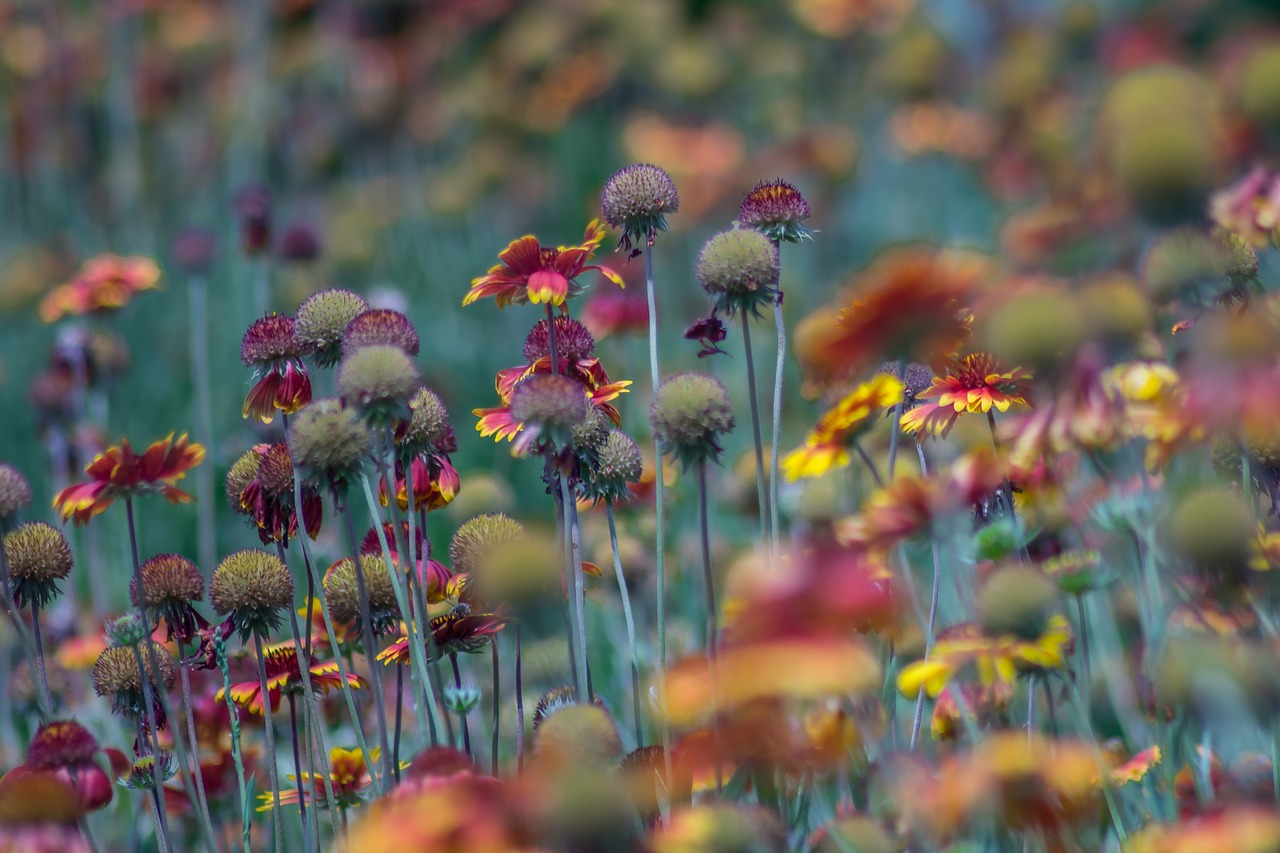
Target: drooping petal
{"type": "Point", "coordinates": [260, 402]}
{"type": "Point", "coordinates": [549, 287]}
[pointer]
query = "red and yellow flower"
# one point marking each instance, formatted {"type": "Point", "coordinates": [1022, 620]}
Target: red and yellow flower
{"type": "Point", "coordinates": [975, 383]}
{"type": "Point", "coordinates": [120, 472]}
{"type": "Point", "coordinates": [435, 483]}
{"type": "Point", "coordinates": [284, 676]}
{"type": "Point", "coordinates": [590, 373]}
{"type": "Point", "coordinates": [348, 775]}
{"type": "Point", "coordinates": [996, 659]}
{"type": "Point", "coordinates": [103, 283]}
{"type": "Point", "coordinates": [827, 445]}
{"type": "Point", "coordinates": [530, 272]}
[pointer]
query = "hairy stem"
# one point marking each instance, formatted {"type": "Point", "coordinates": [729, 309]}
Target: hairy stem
{"type": "Point", "coordinates": [519, 705]}
{"type": "Point", "coordinates": [237, 753]}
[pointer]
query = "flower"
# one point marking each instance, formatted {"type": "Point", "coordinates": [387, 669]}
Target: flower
{"type": "Point", "coordinates": [720, 828]}
{"type": "Point", "coordinates": [267, 495]}
{"type": "Point", "coordinates": [739, 270]}
{"type": "Point", "coordinates": [637, 199]}
{"type": "Point", "coordinates": [271, 347]}
{"type": "Point", "coordinates": [690, 411]}
{"type": "Point", "coordinates": [38, 556]}
{"type": "Point", "coordinates": [972, 383]}
{"type": "Point", "coordinates": [827, 445]}
{"type": "Point", "coordinates": [348, 775]}
{"type": "Point", "coordinates": [329, 443]}
{"type": "Point", "coordinates": [435, 483]}
{"type": "Point", "coordinates": [378, 380]}
{"type": "Point", "coordinates": [170, 583]}
{"type": "Point", "coordinates": [478, 538]}
{"type": "Point", "coordinates": [980, 704]}
{"type": "Point", "coordinates": [575, 736]}
{"type": "Point", "coordinates": [67, 750]}
{"type": "Point", "coordinates": [777, 210]}
{"type": "Point", "coordinates": [119, 472]}
{"type": "Point", "coordinates": [427, 431]}
{"type": "Point", "coordinates": [709, 332]}
{"type": "Point", "coordinates": [1250, 207]}
{"type": "Point", "coordinates": [618, 464]}
{"type": "Point", "coordinates": [15, 493]}
{"type": "Point", "coordinates": [547, 408]}
{"type": "Point", "coordinates": [322, 320]}
{"type": "Point", "coordinates": [103, 283]}
{"type": "Point", "coordinates": [251, 587]}
{"type": "Point", "coordinates": [381, 327]}
{"type": "Point", "coordinates": [117, 674]}
{"type": "Point", "coordinates": [148, 771]}
{"type": "Point", "coordinates": [531, 273]}
{"type": "Point", "coordinates": [460, 631]}
{"type": "Point", "coordinates": [342, 592]}
{"type": "Point", "coordinates": [615, 312]}
{"type": "Point", "coordinates": [284, 678]}
{"type": "Point", "coordinates": [997, 659]}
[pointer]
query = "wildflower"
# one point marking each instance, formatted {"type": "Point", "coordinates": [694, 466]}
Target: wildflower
{"type": "Point", "coordinates": [972, 383]}
{"type": "Point", "coordinates": [299, 243]}
{"type": "Point", "coordinates": [329, 443]}
{"type": "Point", "coordinates": [1016, 601]}
{"type": "Point", "coordinates": [575, 737]}
{"type": "Point", "coordinates": [1136, 767]}
{"type": "Point", "coordinates": [342, 592]}
{"type": "Point", "coordinates": [739, 270]}
{"type": "Point", "coordinates": [427, 430]}
{"type": "Point", "coordinates": [253, 212]}
{"type": "Point", "coordinates": [619, 463]}
{"type": "Point", "coordinates": [284, 678]}
{"type": "Point", "coordinates": [997, 659]}
{"type": "Point", "coordinates": [38, 556]}
{"type": "Point", "coordinates": [171, 584]}
{"type": "Point", "coordinates": [1214, 529]}
{"type": "Point", "coordinates": [900, 510]}
{"type": "Point", "coordinates": [67, 750]}
{"type": "Point", "coordinates": [119, 472]}
{"type": "Point", "coordinates": [127, 630]}
{"type": "Point", "coordinates": [637, 200]}
{"type": "Point", "coordinates": [477, 539]}
{"type": "Point", "coordinates": [1039, 328]}
{"type": "Point", "coordinates": [38, 812]}
{"type": "Point", "coordinates": [1198, 269]}
{"type": "Point", "coordinates": [271, 347]}
{"type": "Point", "coordinates": [531, 273]}
{"type": "Point", "coordinates": [348, 775]}
{"type": "Point", "coordinates": [103, 283]}
{"type": "Point", "coordinates": [710, 333]}
{"type": "Point", "coordinates": [827, 444]}
{"type": "Point", "coordinates": [1250, 207]}
{"type": "Point", "coordinates": [435, 483]}
{"type": "Point", "coordinates": [981, 704]}
{"type": "Point", "coordinates": [1075, 572]}
{"type": "Point", "coordinates": [381, 327]}
{"type": "Point", "coordinates": [251, 587]}
{"type": "Point", "coordinates": [148, 771]}
{"type": "Point", "coordinates": [575, 346]}
{"type": "Point", "coordinates": [547, 408]}
{"type": "Point", "coordinates": [1247, 827]}
{"type": "Point", "coordinates": [322, 321]}
{"type": "Point", "coordinates": [690, 411]}
{"type": "Point", "coordinates": [116, 674]}
{"type": "Point", "coordinates": [241, 473]}
{"type": "Point", "coordinates": [15, 493]}
{"type": "Point", "coordinates": [777, 210]}
{"type": "Point", "coordinates": [267, 496]}
{"type": "Point", "coordinates": [459, 631]}
{"type": "Point", "coordinates": [377, 381]}
{"type": "Point", "coordinates": [720, 828]}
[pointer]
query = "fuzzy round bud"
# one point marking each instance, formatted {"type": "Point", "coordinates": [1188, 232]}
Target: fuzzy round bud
{"type": "Point", "coordinates": [554, 403]}
{"type": "Point", "coordinates": [275, 473]}
{"type": "Point", "coordinates": [322, 320]}
{"type": "Point", "coordinates": [573, 341]}
{"type": "Point", "coordinates": [1115, 309]}
{"type": "Point", "coordinates": [61, 744]}
{"type": "Point", "coordinates": [1168, 168]}
{"type": "Point", "coordinates": [342, 592]}
{"type": "Point", "coordinates": [15, 493]}
{"type": "Point", "coordinates": [618, 463]}
{"type": "Point", "coordinates": [477, 538]}
{"type": "Point", "coordinates": [1016, 601]}
{"type": "Point", "coordinates": [381, 327]}
{"type": "Point", "coordinates": [126, 630]}
{"type": "Point", "coordinates": [116, 674]}
{"type": "Point", "coordinates": [428, 425]}
{"type": "Point", "coordinates": [590, 432]}
{"type": "Point", "coordinates": [328, 442]}
{"type": "Point", "coordinates": [722, 827]}
{"type": "Point", "coordinates": [637, 200]}
{"type": "Point", "coordinates": [1036, 330]}
{"type": "Point", "coordinates": [270, 339]}
{"type": "Point", "coordinates": [776, 209]}
{"type": "Point", "coordinates": [739, 269]}
{"type": "Point", "coordinates": [1213, 528]}
{"type": "Point", "coordinates": [39, 556]}
{"type": "Point", "coordinates": [243, 472]}
{"type": "Point", "coordinates": [576, 737]}
{"type": "Point", "coordinates": [916, 379]}
{"type": "Point", "coordinates": [168, 580]}
{"type": "Point", "coordinates": [689, 413]}
{"type": "Point", "coordinates": [252, 586]}
{"type": "Point", "coordinates": [379, 379]}
{"type": "Point", "coordinates": [299, 242]}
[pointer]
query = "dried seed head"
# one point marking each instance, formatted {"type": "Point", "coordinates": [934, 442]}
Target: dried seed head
{"type": "Point", "coordinates": [479, 537]}
{"type": "Point", "coordinates": [689, 414]}
{"type": "Point", "coordinates": [739, 269]}
{"type": "Point", "coordinates": [243, 472]}
{"type": "Point", "coordinates": [428, 425]}
{"type": "Point", "coordinates": [618, 463]}
{"type": "Point", "coordinates": [270, 339]}
{"type": "Point", "coordinates": [61, 744]}
{"type": "Point", "coordinates": [39, 556]}
{"type": "Point", "coordinates": [776, 209]}
{"type": "Point", "coordinates": [579, 737]}
{"type": "Point", "coordinates": [573, 341]}
{"type": "Point", "coordinates": [381, 327]}
{"type": "Point", "coordinates": [379, 379]}
{"type": "Point", "coordinates": [589, 433]}
{"type": "Point", "coordinates": [126, 630]}
{"type": "Point", "coordinates": [275, 473]}
{"type": "Point", "coordinates": [168, 580]}
{"type": "Point", "coordinates": [555, 403]}
{"type": "Point", "coordinates": [637, 200]}
{"type": "Point", "coordinates": [916, 378]}
{"type": "Point", "coordinates": [116, 674]}
{"type": "Point", "coordinates": [15, 493]}
{"type": "Point", "coordinates": [342, 593]}
{"type": "Point", "coordinates": [1016, 600]}
{"type": "Point", "coordinates": [252, 586]}
{"type": "Point", "coordinates": [322, 320]}
{"type": "Point", "coordinates": [329, 442]}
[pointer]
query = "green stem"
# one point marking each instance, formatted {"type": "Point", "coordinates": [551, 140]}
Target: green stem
{"type": "Point", "coordinates": [519, 704]}
{"type": "Point", "coordinates": [1086, 679]}
{"type": "Point", "coordinates": [319, 757]}
{"type": "Point", "coordinates": [45, 700]}
{"type": "Point", "coordinates": [630, 621]}
{"type": "Point", "coordinates": [775, 526]}
{"type": "Point", "coordinates": [202, 798]}
{"type": "Point", "coordinates": [237, 754]}
{"type": "Point", "coordinates": [579, 605]}
{"type": "Point", "coordinates": [298, 774]}
{"type": "Point", "coordinates": [933, 613]}
{"type": "Point", "coordinates": [20, 628]}
{"type": "Point", "coordinates": [762, 492]}
{"type": "Point", "coordinates": [206, 506]}
{"type": "Point", "coordinates": [273, 770]}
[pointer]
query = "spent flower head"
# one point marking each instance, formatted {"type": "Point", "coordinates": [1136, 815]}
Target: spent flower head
{"type": "Point", "coordinates": [739, 270]}
{"type": "Point", "coordinates": [342, 593]}
{"type": "Point", "coordinates": [776, 209]}
{"type": "Point", "coordinates": [170, 585]}
{"type": "Point", "coordinates": [329, 443]}
{"type": "Point", "coordinates": [480, 537]}
{"type": "Point", "coordinates": [125, 630]}
{"type": "Point", "coordinates": [252, 587]}
{"type": "Point", "coordinates": [574, 342]}
{"type": "Point", "coordinates": [242, 472]}
{"type": "Point", "coordinates": [323, 319]}
{"type": "Point", "coordinates": [378, 381]}
{"type": "Point", "coordinates": [637, 200]}
{"type": "Point", "coordinates": [549, 407]}
{"type": "Point", "coordinates": [15, 493]}
{"type": "Point", "coordinates": [39, 556]}
{"type": "Point", "coordinates": [427, 430]}
{"type": "Point", "coordinates": [381, 327]}
{"type": "Point", "coordinates": [689, 414]}
{"type": "Point", "coordinates": [618, 463]}
{"type": "Point", "coordinates": [116, 674]}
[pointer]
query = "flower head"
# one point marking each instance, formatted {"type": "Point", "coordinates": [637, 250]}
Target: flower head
{"type": "Point", "coordinates": [61, 744]}
{"type": "Point", "coordinates": [171, 584]}
{"type": "Point", "coordinates": [739, 270]}
{"type": "Point", "coordinates": [195, 250]}
{"type": "Point", "coordinates": [996, 659]}
{"type": "Point", "coordinates": [268, 496]}
{"type": "Point", "coordinates": [271, 347]}
{"type": "Point", "coordinates": [637, 200]}
{"type": "Point", "coordinates": [618, 464]}
{"type": "Point", "coordinates": [39, 556]}
{"type": "Point", "coordinates": [530, 272]}
{"type": "Point", "coordinates": [972, 383]}
{"type": "Point", "coordinates": [348, 776]}
{"type": "Point", "coordinates": [252, 587]}
{"type": "Point", "coordinates": [478, 538]}
{"type": "Point", "coordinates": [342, 584]}
{"type": "Point", "coordinates": [827, 445]}
{"type": "Point", "coordinates": [103, 283]}
{"type": "Point", "coordinates": [119, 472]}
{"type": "Point", "coordinates": [323, 319]}
{"type": "Point", "coordinates": [15, 493]}
{"type": "Point", "coordinates": [149, 771]}
{"type": "Point", "coordinates": [329, 443]}
{"type": "Point", "coordinates": [548, 407]}
{"type": "Point", "coordinates": [427, 430]}
{"type": "Point", "coordinates": [575, 736]}
{"type": "Point", "coordinates": [377, 380]}
{"type": "Point", "coordinates": [242, 472]}
{"type": "Point", "coordinates": [252, 206]}
{"type": "Point", "coordinates": [284, 678]}
{"type": "Point", "coordinates": [777, 210]}
{"type": "Point", "coordinates": [117, 674]}
{"type": "Point", "coordinates": [381, 327]}
{"type": "Point", "coordinates": [574, 342]}
{"type": "Point", "coordinates": [689, 414]}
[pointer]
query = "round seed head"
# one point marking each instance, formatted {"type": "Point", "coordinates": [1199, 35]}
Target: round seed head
{"type": "Point", "coordinates": [323, 318]}
{"type": "Point", "coordinates": [1213, 528]}
{"type": "Point", "coordinates": [589, 433]}
{"type": "Point", "coordinates": [555, 403]}
{"type": "Point", "coordinates": [15, 493]}
{"type": "Point", "coordinates": [689, 413]}
{"type": "Point", "coordinates": [378, 379]}
{"type": "Point", "coordinates": [275, 473]}
{"type": "Point", "coordinates": [573, 341]}
{"type": "Point", "coordinates": [127, 630]}
{"type": "Point", "coordinates": [428, 425]}
{"type": "Point", "coordinates": [1016, 601]}
{"type": "Point", "coordinates": [168, 580]}
{"type": "Point", "coordinates": [116, 674]}
{"type": "Point", "coordinates": [380, 327]}
{"type": "Point", "coordinates": [1036, 330]}
{"type": "Point", "coordinates": [916, 378]}
{"type": "Point", "coordinates": [243, 472]}
{"type": "Point", "coordinates": [61, 744]}
{"type": "Point", "coordinates": [479, 537]}
{"type": "Point", "coordinates": [739, 269]}
{"type": "Point", "coordinates": [618, 463]}
{"type": "Point", "coordinates": [637, 200]}
{"type": "Point", "coordinates": [270, 339]}
{"type": "Point", "coordinates": [39, 556]}
{"type": "Point", "coordinates": [329, 442]}
{"type": "Point", "coordinates": [1184, 261]}
{"type": "Point", "coordinates": [252, 586]}
{"type": "Point", "coordinates": [342, 593]}
{"type": "Point", "coordinates": [577, 737]}
{"type": "Point", "coordinates": [776, 209]}
{"type": "Point", "coordinates": [1260, 86]}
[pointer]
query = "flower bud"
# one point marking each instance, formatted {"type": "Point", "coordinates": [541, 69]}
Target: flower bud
{"type": "Point", "coordinates": [322, 320]}
{"type": "Point", "coordinates": [739, 269]}
{"type": "Point", "coordinates": [689, 414]}
{"type": "Point", "coordinates": [15, 493]}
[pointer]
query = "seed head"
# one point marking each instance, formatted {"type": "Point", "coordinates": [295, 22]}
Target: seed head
{"type": "Point", "coordinates": [1213, 528]}
{"type": "Point", "coordinates": [168, 580]}
{"type": "Point", "coordinates": [381, 327]}
{"type": "Point", "coordinates": [378, 379]}
{"type": "Point", "coordinates": [916, 379]}
{"type": "Point", "coordinates": [15, 493]}
{"type": "Point", "coordinates": [479, 537]}
{"type": "Point", "coordinates": [739, 269]}
{"type": "Point", "coordinates": [323, 318]}
{"type": "Point", "coordinates": [555, 404]}
{"type": "Point", "coordinates": [428, 426]}
{"type": "Point", "coordinates": [243, 472]}
{"type": "Point", "coordinates": [275, 473]}
{"type": "Point", "coordinates": [116, 674]}
{"type": "Point", "coordinates": [618, 463]}
{"type": "Point", "coordinates": [776, 209]}
{"type": "Point", "coordinates": [252, 586]}
{"type": "Point", "coordinates": [1036, 330]}
{"type": "Point", "coordinates": [329, 442]}
{"type": "Point", "coordinates": [576, 737]}
{"type": "Point", "coordinates": [573, 341]}
{"type": "Point", "coordinates": [637, 199]}
{"type": "Point", "coordinates": [270, 339]}
{"type": "Point", "coordinates": [299, 242]}
{"type": "Point", "coordinates": [1185, 264]}
{"type": "Point", "coordinates": [126, 630]}
{"type": "Point", "coordinates": [342, 592]}
{"type": "Point", "coordinates": [689, 414]}
{"type": "Point", "coordinates": [589, 433]}
{"type": "Point", "coordinates": [39, 556]}
{"type": "Point", "coordinates": [61, 744]}
{"type": "Point", "coordinates": [1018, 601]}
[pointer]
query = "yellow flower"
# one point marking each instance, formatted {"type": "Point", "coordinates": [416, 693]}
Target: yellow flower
{"type": "Point", "coordinates": [827, 445]}
{"type": "Point", "coordinates": [997, 660]}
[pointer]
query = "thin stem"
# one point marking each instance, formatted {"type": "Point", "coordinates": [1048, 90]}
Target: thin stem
{"type": "Point", "coordinates": [707, 577]}
{"type": "Point", "coordinates": [433, 709]}
{"type": "Point", "coordinates": [462, 716]}
{"type": "Point", "coordinates": [519, 705]}
{"type": "Point", "coordinates": [497, 706]}
{"type": "Point", "coordinates": [896, 425]}
{"type": "Point", "coordinates": [630, 620]}
{"type": "Point", "coordinates": [775, 526]}
{"type": "Point", "coordinates": [579, 604]}
{"type": "Point", "coordinates": [319, 759]}
{"type": "Point", "coordinates": [395, 741]}
{"type": "Point", "coordinates": [297, 767]}
{"type": "Point", "coordinates": [869, 462]}
{"type": "Point", "coordinates": [45, 700]}
{"type": "Point", "coordinates": [933, 613]}
{"type": "Point", "coordinates": [20, 628]}
{"type": "Point", "coordinates": [762, 493]}
{"type": "Point", "coordinates": [150, 740]}
{"type": "Point", "coordinates": [566, 549]}
{"type": "Point", "coordinates": [273, 771]}
{"type": "Point", "coordinates": [1082, 628]}
{"type": "Point", "coordinates": [552, 342]}
{"type": "Point", "coordinates": [1031, 708]}
{"type": "Point", "coordinates": [206, 530]}
{"type": "Point", "coordinates": [202, 798]}
{"type": "Point", "coordinates": [237, 754]}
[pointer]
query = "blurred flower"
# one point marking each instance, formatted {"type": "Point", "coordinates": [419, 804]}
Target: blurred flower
{"type": "Point", "coordinates": [270, 346]}
{"type": "Point", "coordinates": [68, 751]}
{"type": "Point", "coordinates": [348, 775]}
{"type": "Point", "coordinates": [997, 659]}
{"type": "Point", "coordinates": [103, 283]}
{"type": "Point", "coordinates": [119, 472]}
{"type": "Point", "coordinates": [1244, 828]}
{"type": "Point", "coordinates": [981, 704]}
{"type": "Point", "coordinates": [116, 674]}
{"type": "Point", "coordinates": [827, 444]}
{"type": "Point", "coordinates": [615, 312]}
{"type": "Point", "coordinates": [15, 492]}
{"type": "Point", "coordinates": [253, 212]}
{"type": "Point", "coordinates": [709, 332]}
{"type": "Point", "coordinates": [971, 383]}
{"type": "Point", "coordinates": [1250, 208]}
{"type": "Point", "coordinates": [720, 828]}
{"type": "Point", "coordinates": [284, 678]}
{"type": "Point", "coordinates": [531, 273]}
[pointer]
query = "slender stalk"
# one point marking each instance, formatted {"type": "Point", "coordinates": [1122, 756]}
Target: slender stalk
{"type": "Point", "coordinates": [433, 709]}
{"type": "Point", "coordinates": [273, 771]}
{"type": "Point", "coordinates": [150, 740]}
{"type": "Point", "coordinates": [630, 620]}
{"type": "Point", "coordinates": [762, 492]}
{"type": "Point", "coordinates": [896, 425]}
{"type": "Point", "coordinates": [933, 612]}
{"type": "Point", "coordinates": [566, 550]}
{"type": "Point", "coordinates": [157, 816]}
{"type": "Point", "coordinates": [45, 700]}
{"type": "Point", "coordinates": [298, 772]}
{"type": "Point", "coordinates": [519, 705]}
{"type": "Point", "coordinates": [707, 577]}
{"type": "Point", "coordinates": [202, 798]}
{"type": "Point", "coordinates": [237, 754]}
{"type": "Point", "coordinates": [1031, 708]}
{"type": "Point", "coordinates": [395, 740]}
{"type": "Point", "coordinates": [1086, 678]}
{"type": "Point", "coordinates": [497, 706]}
{"type": "Point", "coordinates": [869, 462]}
{"type": "Point", "coordinates": [462, 716]}
{"type": "Point", "coordinates": [775, 527]}
{"type": "Point", "coordinates": [206, 529]}
{"type": "Point", "coordinates": [20, 628]}
{"type": "Point", "coordinates": [579, 604]}
{"type": "Point", "coordinates": [320, 758]}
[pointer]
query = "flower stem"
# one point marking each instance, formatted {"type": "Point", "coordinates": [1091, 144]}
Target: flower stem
{"type": "Point", "coordinates": [298, 772]}
{"type": "Point", "coordinates": [150, 740]}
{"type": "Point", "coordinates": [237, 754]}
{"type": "Point", "coordinates": [896, 425]}
{"type": "Point", "coordinates": [933, 613]}
{"type": "Point", "coordinates": [206, 522]}
{"type": "Point", "coordinates": [579, 604]}
{"type": "Point", "coordinates": [273, 771]}
{"type": "Point", "coordinates": [869, 462]}
{"type": "Point", "coordinates": [1086, 679]}
{"type": "Point", "coordinates": [20, 628]}
{"type": "Point", "coordinates": [462, 715]}
{"type": "Point", "coordinates": [320, 759]}
{"type": "Point", "coordinates": [418, 601]}
{"type": "Point", "coordinates": [775, 526]}
{"type": "Point", "coordinates": [762, 493]}
{"type": "Point", "coordinates": [630, 620]}
{"type": "Point", "coordinates": [202, 798]}
{"type": "Point", "coordinates": [497, 706]}
{"type": "Point", "coordinates": [566, 551]}
{"type": "Point", "coordinates": [519, 705]}
{"type": "Point", "coordinates": [707, 577]}
{"type": "Point", "coordinates": [45, 700]}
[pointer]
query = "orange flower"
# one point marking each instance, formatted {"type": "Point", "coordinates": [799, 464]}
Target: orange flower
{"type": "Point", "coordinates": [973, 383]}
{"type": "Point", "coordinates": [348, 775]}
{"type": "Point", "coordinates": [827, 445]}
{"type": "Point", "coordinates": [119, 472]}
{"type": "Point", "coordinates": [457, 632]}
{"type": "Point", "coordinates": [997, 659]}
{"type": "Point", "coordinates": [284, 675]}
{"type": "Point", "coordinates": [103, 283]}
{"type": "Point", "coordinates": [1240, 829]}
{"type": "Point", "coordinates": [532, 273]}
{"type": "Point", "coordinates": [430, 490]}
{"type": "Point", "coordinates": [500, 423]}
